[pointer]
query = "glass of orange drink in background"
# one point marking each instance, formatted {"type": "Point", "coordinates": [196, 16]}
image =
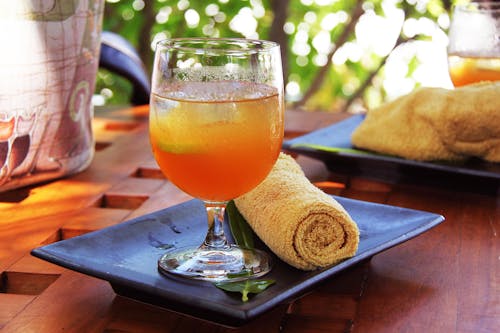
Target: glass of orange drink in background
{"type": "Point", "coordinates": [474, 43]}
{"type": "Point", "coordinates": [216, 128]}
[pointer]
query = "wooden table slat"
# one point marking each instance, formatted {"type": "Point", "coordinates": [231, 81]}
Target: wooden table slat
{"type": "Point", "coordinates": [445, 280]}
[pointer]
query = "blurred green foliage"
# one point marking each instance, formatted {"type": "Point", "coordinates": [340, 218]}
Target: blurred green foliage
{"type": "Point", "coordinates": [311, 32]}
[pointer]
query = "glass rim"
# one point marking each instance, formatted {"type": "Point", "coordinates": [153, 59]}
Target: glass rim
{"type": "Point", "coordinates": [187, 44]}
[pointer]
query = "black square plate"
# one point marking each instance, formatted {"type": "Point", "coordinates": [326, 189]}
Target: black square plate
{"type": "Point", "coordinates": [126, 255]}
{"type": "Point", "coordinates": [473, 174]}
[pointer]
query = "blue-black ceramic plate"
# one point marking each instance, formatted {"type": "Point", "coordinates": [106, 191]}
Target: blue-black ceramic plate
{"type": "Point", "coordinates": [126, 255]}
{"type": "Point", "coordinates": [333, 146]}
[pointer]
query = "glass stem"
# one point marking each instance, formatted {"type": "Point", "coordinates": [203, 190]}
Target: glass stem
{"type": "Point", "coordinates": [215, 238]}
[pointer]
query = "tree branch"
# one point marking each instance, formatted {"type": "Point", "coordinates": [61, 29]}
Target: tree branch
{"type": "Point", "coordinates": [356, 12]}
{"type": "Point", "coordinates": [277, 34]}
{"type": "Point", "coordinates": [144, 47]}
{"type": "Point", "coordinates": [361, 89]}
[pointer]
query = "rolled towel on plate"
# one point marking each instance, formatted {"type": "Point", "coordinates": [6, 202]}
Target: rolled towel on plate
{"type": "Point", "coordinates": [301, 224]}
{"type": "Point", "coordinates": [436, 124]}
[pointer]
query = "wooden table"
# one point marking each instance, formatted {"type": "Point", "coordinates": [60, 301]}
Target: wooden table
{"type": "Point", "coordinates": [445, 280]}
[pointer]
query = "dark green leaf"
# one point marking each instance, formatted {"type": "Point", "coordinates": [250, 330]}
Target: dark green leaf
{"type": "Point", "coordinates": [241, 231]}
{"type": "Point", "coordinates": [334, 149]}
{"type": "Point", "coordinates": [244, 273]}
{"type": "Point", "coordinates": [245, 287]}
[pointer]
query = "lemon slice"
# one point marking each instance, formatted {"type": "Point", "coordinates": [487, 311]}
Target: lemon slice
{"type": "Point", "coordinates": [182, 148]}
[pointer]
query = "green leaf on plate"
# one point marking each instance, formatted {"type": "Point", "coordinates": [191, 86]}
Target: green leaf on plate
{"type": "Point", "coordinates": [241, 231]}
{"type": "Point", "coordinates": [354, 151]}
{"type": "Point", "coordinates": [245, 287]}
{"type": "Point", "coordinates": [333, 149]}
{"type": "Point", "coordinates": [244, 237]}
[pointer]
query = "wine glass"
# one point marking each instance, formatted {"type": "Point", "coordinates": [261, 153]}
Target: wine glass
{"type": "Point", "coordinates": [216, 129]}
{"type": "Point", "coordinates": [474, 43]}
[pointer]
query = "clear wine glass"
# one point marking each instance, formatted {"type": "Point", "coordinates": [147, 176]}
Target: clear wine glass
{"type": "Point", "coordinates": [216, 129]}
{"type": "Point", "coordinates": [474, 43]}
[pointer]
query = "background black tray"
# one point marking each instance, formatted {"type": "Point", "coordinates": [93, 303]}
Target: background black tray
{"type": "Point", "coordinates": [126, 255]}
{"type": "Point", "coordinates": [474, 174]}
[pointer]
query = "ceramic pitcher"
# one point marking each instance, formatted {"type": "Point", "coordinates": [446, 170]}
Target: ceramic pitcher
{"type": "Point", "coordinates": [48, 65]}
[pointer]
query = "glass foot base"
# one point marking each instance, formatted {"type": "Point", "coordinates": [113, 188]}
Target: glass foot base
{"type": "Point", "coordinates": [233, 263]}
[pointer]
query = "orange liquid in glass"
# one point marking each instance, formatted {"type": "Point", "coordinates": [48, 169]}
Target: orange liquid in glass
{"type": "Point", "coordinates": [467, 70]}
{"type": "Point", "coordinates": [220, 146]}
